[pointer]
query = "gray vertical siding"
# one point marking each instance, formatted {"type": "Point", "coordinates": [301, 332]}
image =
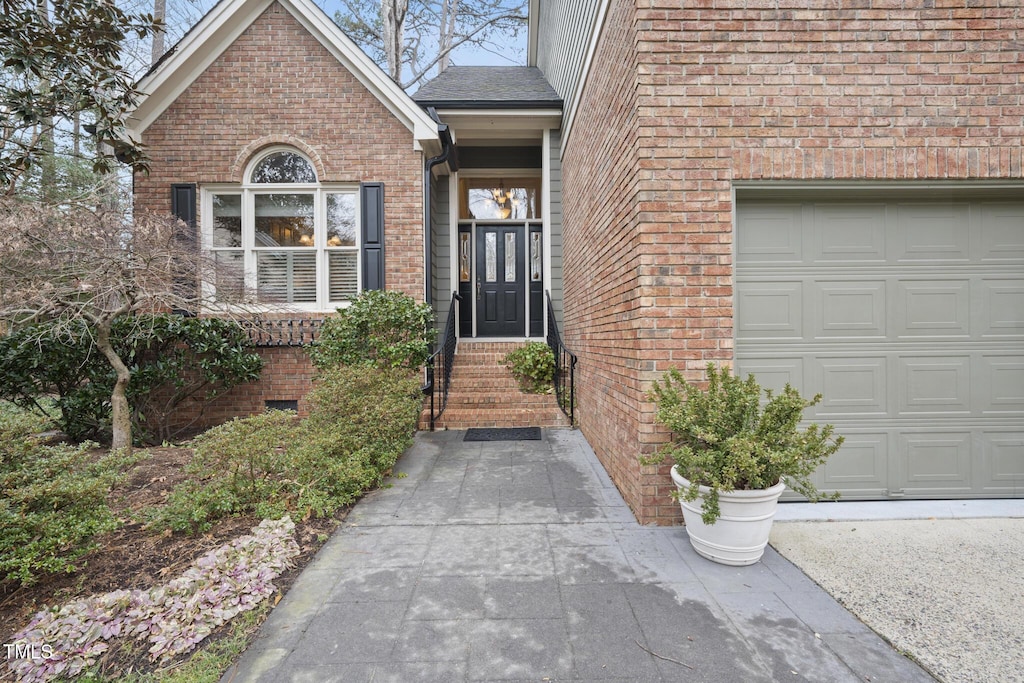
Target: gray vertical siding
{"type": "Point", "coordinates": [555, 224]}
{"type": "Point", "coordinates": [441, 253]}
{"type": "Point", "coordinates": [565, 28]}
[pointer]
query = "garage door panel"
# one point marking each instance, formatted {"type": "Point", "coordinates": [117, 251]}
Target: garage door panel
{"type": "Point", "coordinates": [849, 232]}
{"type": "Point", "coordinates": [1002, 391]}
{"type": "Point", "coordinates": [932, 308]}
{"type": "Point", "coordinates": [861, 463]}
{"type": "Point", "coordinates": [774, 373]}
{"type": "Point", "coordinates": [1001, 234]}
{"type": "Point", "coordinates": [776, 234]}
{"type": "Point", "coordinates": [934, 384]}
{"type": "Point", "coordinates": [771, 310]}
{"type": "Point", "coordinates": [1002, 306]}
{"type": "Point", "coordinates": [850, 386]}
{"type": "Point", "coordinates": [936, 462]}
{"type": "Point", "coordinates": [848, 309]}
{"type": "Point", "coordinates": [931, 233]}
{"type": "Point", "coordinates": [1004, 455]}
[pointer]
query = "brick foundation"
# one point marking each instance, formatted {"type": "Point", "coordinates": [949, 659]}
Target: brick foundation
{"type": "Point", "coordinates": [287, 376]}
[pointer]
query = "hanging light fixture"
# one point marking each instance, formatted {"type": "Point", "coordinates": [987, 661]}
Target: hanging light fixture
{"type": "Point", "coordinates": [499, 193]}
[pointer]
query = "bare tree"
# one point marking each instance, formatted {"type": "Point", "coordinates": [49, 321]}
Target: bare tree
{"type": "Point", "coordinates": [412, 37]}
{"type": "Point", "coordinates": [83, 261]}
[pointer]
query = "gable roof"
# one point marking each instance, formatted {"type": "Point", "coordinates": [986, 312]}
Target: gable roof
{"type": "Point", "coordinates": [483, 87]}
{"type": "Point", "coordinates": [222, 25]}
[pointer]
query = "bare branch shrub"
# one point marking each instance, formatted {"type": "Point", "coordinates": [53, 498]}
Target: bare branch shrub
{"type": "Point", "coordinates": [88, 261]}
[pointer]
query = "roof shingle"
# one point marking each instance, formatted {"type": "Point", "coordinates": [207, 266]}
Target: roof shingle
{"type": "Point", "coordinates": [488, 87]}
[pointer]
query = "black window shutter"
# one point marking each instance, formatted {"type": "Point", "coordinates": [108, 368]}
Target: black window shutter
{"type": "Point", "coordinates": [183, 207]}
{"type": "Point", "coordinates": [183, 204]}
{"type": "Point", "coordinates": [371, 201]}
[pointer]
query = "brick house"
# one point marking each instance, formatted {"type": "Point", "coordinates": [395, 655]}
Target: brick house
{"type": "Point", "coordinates": [831, 197]}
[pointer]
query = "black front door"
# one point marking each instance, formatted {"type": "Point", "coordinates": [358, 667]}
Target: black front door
{"type": "Point", "coordinates": [500, 281]}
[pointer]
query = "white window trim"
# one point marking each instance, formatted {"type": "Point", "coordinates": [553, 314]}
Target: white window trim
{"type": "Point", "coordinates": [247, 191]}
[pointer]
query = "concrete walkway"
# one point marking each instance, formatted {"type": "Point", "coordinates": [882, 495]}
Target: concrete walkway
{"type": "Point", "coordinates": [519, 561]}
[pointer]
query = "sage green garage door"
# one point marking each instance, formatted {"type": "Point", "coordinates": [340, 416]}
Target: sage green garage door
{"type": "Point", "coordinates": [908, 317]}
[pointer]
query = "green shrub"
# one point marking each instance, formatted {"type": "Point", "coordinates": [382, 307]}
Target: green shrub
{"type": "Point", "coordinates": [382, 328]}
{"type": "Point", "coordinates": [361, 419]}
{"type": "Point", "coordinates": [53, 499]}
{"type": "Point", "coordinates": [533, 365]}
{"type": "Point", "coordinates": [723, 438]}
{"type": "Point", "coordinates": [172, 358]}
{"type": "Point", "coordinates": [241, 465]}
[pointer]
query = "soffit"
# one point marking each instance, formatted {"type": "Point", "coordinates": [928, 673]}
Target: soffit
{"type": "Point", "coordinates": [501, 127]}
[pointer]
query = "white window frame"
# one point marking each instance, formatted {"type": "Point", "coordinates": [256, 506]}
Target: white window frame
{"type": "Point", "coordinates": [248, 190]}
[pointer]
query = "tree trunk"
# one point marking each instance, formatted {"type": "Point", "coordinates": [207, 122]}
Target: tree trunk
{"type": "Point", "coordinates": [392, 16]}
{"type": "Point", "coordinates": [48, 168]}
{"type": "Point", "coordinates": [157, 48]}
{"type": "Point", "coordinates": [449, 11]}
{"type": "Point", "coordinates": [120, 411]}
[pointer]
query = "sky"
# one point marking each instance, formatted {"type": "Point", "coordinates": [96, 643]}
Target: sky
{"type": "Point", "coordinates": [182, 14]}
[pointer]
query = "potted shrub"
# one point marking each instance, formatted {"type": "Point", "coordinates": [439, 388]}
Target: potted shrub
{"type": "Point", "coordinates": [733, 457]}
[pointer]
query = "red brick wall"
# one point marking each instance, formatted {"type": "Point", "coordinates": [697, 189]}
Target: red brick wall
{"type": "Point", "coordinates": [731, 90]}
{"type": "Point", "coordinates": [601, 254]}
{"type": "Point", "coordinates": [276, 84]}
{"type": "Point", "coordinates": [287, 376]}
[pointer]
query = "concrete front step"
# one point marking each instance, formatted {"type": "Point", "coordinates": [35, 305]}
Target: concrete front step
{"type": "Point", "coordinates": [484, 393]}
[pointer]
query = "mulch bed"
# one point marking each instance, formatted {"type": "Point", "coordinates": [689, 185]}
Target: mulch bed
{"type": "Point", "coordinates": [135, 557]}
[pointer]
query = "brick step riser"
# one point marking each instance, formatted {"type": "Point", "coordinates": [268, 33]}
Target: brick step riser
{"type": "Point", "coordinates": [484, 394]}
{"type": "Point", "coordinates": [455, 422]}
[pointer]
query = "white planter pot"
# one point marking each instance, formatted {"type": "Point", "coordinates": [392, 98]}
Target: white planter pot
{"type": "Point", "coordinates": [740, 535]}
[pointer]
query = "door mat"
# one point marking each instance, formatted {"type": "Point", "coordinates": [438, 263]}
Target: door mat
{"type": "Point", "coordinates": [502, 434]}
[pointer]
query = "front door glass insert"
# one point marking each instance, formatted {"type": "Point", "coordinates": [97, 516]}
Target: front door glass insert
{"type": "Point", "coordinates": [510, 257]}
{"type": "Point", "coordinates": [491, 256]}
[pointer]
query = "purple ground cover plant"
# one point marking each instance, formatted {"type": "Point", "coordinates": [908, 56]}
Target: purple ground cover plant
{"type": "Point", "coordinates": [173, 617]}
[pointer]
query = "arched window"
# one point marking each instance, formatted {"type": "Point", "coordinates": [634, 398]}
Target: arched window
{"type": "Point", "coordinates": [283, 167]}
{"type": "Point", "coordinates": [291, 239]}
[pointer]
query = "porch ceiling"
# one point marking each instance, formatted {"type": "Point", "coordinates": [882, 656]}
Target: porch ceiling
{"type": "Point", "coordinates": [500, 127]}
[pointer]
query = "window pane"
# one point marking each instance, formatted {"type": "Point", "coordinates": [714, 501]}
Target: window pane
{"type": "Point", "coordinates": [463, 257]}
{"type": "Point", "coordinates": [283, 167]}
{"type": "Point", "coordinates": [284, 220]}
{"type": "Point", "coordinates": [227, 220]}
{"type": "Point", "coordinates": [341, 220]}
{"type": "Point", "coordinates": [229, 279]}
{"type": "Point", "coordinates": [535, 256]}
{"type": "Point", "coordinates": [510, 257]}
{"type": "Point", "coordinates": [286, 276]}
{"type": "Point", "coordinates": [343, 275]}
{"type": "Point", "coordinates": [499, 198]}
{"type": "Point", "coordinates": [491, 257]}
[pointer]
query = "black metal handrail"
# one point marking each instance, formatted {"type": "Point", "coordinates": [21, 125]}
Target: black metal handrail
{"type": "Point", "coordinates": [565, 367]}
{"type": "Point", "coordinates": [442, 360]}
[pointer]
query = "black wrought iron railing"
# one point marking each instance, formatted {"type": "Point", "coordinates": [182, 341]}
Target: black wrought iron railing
{"type": "Point", "coordinates": [283, 331]}
{"type": "Point", "coordinates": [439, 364]}
{"type": "Point", "coordinates": [565, 367]}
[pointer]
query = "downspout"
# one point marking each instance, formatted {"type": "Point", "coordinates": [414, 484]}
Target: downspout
{"type": "Point", "coordinates": [447, 155]}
